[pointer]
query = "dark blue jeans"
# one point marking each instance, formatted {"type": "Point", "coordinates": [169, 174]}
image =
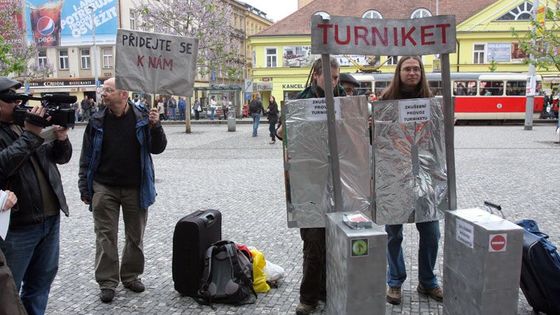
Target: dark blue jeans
{"type": "Point", "coordinates": [256, 122]}
{"type": "Point", "coordinates": [32, 255]}
{"type": "Point", "coordinates": [427, 254]}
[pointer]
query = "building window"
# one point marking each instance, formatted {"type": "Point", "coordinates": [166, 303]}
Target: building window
{"type": "Point", "coordinates": [520, 13]}
{"type": "Point", "coordinates": [392, 60]}
{"type": "Point", "coordinates": [107, 57]}
{"type": "Point", "coordinates": [85, 59]}
{"type": "Point", "coordinates": [478, 53]}
{"type": "Point", "coordinates": [420, 13]}
{"type": "Point", "coordinates": [372, 14]}
{"type": "Point", "coordinates": [42, 58]}
{"type": "Point", "coordinates": [132, 19]}
{"type": "Point", "coordinates": [270, 57]}
{"type": "Point", "coordinates": [63, 59]}
{"type": "Point", "coordinates": [323, 14]}
{"type": "Point", "coordinates": [254, 58]}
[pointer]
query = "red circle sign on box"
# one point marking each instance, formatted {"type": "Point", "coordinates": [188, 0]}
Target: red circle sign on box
{"type": "Point", "coordinates": [498, 242]}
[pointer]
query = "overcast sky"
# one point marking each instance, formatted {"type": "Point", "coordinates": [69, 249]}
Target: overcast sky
{"type": "Point", "coordinates": [274, 9]}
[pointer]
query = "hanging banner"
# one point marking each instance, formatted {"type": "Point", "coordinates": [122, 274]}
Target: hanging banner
{"type": "Point", "coordinates": [155, 63]}
{"type": "Point", "coordinates": [356, 36]}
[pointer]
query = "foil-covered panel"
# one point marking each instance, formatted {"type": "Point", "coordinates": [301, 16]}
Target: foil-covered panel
{"type": "Point", "coordinates": [309, 190]}
{"type": "Point", "coordinates": [409, 166]}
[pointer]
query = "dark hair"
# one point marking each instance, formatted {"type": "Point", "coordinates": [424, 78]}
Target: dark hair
{"type": "Point", "coordinates": [317, 69]}
{"type": "Point", "coordinates": [393, 91]}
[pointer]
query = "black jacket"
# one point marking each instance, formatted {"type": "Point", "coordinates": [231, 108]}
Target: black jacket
{"type": "Point", "coordinates": [17, 173]}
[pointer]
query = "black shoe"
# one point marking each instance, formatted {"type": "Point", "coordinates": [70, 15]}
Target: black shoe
{"type": "Point", "coordinates": [107, 295]}
{"type": "Point", "coordinates": [305, 309]}
{"type": "Point", "coordinates": [135, 285]}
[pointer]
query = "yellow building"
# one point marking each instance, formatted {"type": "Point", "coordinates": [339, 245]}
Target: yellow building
{"type": "Point", "coordinates": [485, 41]}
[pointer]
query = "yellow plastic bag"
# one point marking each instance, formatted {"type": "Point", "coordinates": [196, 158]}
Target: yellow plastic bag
{"type": "Point", "coordinates": [259, 278]}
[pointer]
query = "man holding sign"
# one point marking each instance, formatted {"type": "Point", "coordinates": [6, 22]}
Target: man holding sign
{"type": "Point", "coordinates": [116, 170]}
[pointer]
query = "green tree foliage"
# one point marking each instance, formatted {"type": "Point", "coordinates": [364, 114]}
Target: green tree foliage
{"type": "Point", "coordinates": [543, 43]}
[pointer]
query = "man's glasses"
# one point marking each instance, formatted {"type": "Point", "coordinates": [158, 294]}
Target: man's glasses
{"type": "Point", "coordinates": [108, 90]}
{"type": "Point", "coordinates": [10, 97]}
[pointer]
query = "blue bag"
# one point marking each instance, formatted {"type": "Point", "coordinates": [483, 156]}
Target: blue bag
{"type": "Point", "coordinates": [540, 271]}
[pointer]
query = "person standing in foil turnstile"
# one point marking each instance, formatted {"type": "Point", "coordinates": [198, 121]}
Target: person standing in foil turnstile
{"type": "Point", "coordinates": [410, 82]}
{"type": "Point", "coordinates": [313, 284]}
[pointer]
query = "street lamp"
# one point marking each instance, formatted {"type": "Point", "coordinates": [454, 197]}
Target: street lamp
{"type": "Point", "coordinates": [94, 54]}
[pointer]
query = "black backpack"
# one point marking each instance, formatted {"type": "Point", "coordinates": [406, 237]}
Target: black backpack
{"type": "Point", "coordinates": [254, 106]}
{"type": "Point", "coordinates": [227, 276]}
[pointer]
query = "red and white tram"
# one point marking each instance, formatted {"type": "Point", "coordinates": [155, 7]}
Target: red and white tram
{"type": "Point", "coordinates": [478, 96]}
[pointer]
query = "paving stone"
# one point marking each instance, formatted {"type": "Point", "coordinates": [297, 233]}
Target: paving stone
{"type": "Point", "coordinates": [242, 176]}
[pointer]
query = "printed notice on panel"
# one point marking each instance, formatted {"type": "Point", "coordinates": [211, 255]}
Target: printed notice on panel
{"type": "Point", "coordinates": [465, 233]}
{"type": "Point", "coordinates": [414, 110]}
{"type": "Point", "coordinates": [316, 109]}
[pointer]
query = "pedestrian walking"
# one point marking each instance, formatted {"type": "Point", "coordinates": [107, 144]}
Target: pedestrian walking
{"type": "Point", "coordinates": [29, 168]}
{"type": "Point", "coordinates": [116, 171]}
{"type": "Point", "coordinates": [256, 109]}
{"type": "Point", "coordinates": [272, 115]}
{"type": "Point", "coordinates": [408, 82]}
{"type": "Point", "coordinates": [182, 104]}
{"type": "Point", "coordinates": [213, 106]}
{"type": "Point", "coordinates": [197, 109]}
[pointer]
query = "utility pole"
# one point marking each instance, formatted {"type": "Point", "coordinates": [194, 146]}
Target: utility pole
{"type": "Point", "coordinates": [94, 53]}
{"type": "Point", "coordinates": [532, 84]}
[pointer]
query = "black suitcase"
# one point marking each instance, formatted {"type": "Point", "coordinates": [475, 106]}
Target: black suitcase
{"type": "Point", "coordinates": [540, 270]}
{"type": "Point", "coordinates": [192, 237]}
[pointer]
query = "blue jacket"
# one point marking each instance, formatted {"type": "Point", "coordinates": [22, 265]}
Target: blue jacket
{"type": "Point", "coordinates": [152, 140]}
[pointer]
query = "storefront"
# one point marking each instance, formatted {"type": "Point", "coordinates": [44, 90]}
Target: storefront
{"type": "Point", "coordinates": [76, 87]}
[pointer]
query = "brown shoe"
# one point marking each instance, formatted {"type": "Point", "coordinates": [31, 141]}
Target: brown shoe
{"type": "Point", "coordinates": [135, 286]}
{"type": "Point", "coordinates": [435, 293]}
{"type": "Point", "coordinates": [394, 295]}
{"type": "Point", "coordinates": [305, 309]}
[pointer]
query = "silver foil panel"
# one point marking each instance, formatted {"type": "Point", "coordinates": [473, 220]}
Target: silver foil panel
{"type": "Point", "coordinates": [482, 263]}
{"type": "Point", "coordinates": [308, 176]}
{"type": "Point", "coordinates": [356, 268]}
{"type": "Point", "coordinates": [409, 166]}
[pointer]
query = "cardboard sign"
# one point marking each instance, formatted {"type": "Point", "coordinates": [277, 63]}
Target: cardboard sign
{"type": "Point", "coordinates": [356, 36]}
{"type": "Point", "coordinates": [155, 63]}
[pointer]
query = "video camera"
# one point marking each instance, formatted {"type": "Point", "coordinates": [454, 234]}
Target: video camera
{"type": "Point", "coordinates": [57, 105]}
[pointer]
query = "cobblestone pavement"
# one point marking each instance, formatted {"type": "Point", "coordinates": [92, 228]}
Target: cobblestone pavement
{"type": "Point", "coordinates": [242, 176]}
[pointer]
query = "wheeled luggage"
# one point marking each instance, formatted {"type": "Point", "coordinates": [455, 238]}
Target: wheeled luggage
{"type": "Point", "coordinates": [193, 235]}
{"type": "Point", "coordinates": [540, 271]}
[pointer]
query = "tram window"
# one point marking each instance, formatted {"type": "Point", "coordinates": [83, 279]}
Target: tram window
{"type": "Point", "coordinates": [435, 88]}
{"type": "Point", "coordinates": [515, 87]}
{"type": "Point", "coordinates": [363, 88]}
{"type": "Point", "coordinates": [464, 88]}
{"type": "Point", "coordinates": [380, 86]}
{"type": "Point", "coordinates": [491, 88]}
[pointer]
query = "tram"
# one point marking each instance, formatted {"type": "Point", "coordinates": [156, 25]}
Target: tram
{"type": "Point", "coordinates": [478, 96]}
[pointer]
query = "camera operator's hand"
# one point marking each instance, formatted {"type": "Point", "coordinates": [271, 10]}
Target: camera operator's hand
{"type": "Point", "coordinates": [30, 125]}
{"type": "Point", "coordinates": [153, 117]}
{"type": "Point", "coordinates": [11, 200]}
{"type": "Point", "coordinates": [60, 132]}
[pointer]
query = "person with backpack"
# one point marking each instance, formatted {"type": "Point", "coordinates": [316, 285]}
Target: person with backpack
{"type": "Point", "coordinates": [255, 109]}
{"type": "Point", "coordinates": [272, 118]}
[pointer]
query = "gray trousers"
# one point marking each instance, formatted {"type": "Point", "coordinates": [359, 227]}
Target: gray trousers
{"type": "Point", "coordinates": [106, 203]}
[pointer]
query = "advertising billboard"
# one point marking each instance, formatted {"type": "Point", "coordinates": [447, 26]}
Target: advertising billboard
{"type": "Point", "coordinates": [71, 22]}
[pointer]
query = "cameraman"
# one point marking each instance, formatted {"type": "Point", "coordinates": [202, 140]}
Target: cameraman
{"type": "Point", "coordinates": [28, 168]}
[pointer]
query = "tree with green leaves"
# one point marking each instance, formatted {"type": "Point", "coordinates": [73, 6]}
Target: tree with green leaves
{"type": "Point", "coordinates": [207, 20]}
{"type": "Point", "coordinates": [16, 55]}
{"type": "Point", "coordinates": [543, 43]}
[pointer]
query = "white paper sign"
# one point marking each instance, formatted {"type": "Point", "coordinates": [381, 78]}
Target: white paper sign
{"type": "Point", "coordinates": [4, 215]}
{"type": "Point", "coordinates": [316, 109]}
{"type": "Point", "coordinates": [155, 63]}
{"type": "Point", "coordinates": [414, 110]}
{"type": "Point", "coordinates": [465, 233]}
